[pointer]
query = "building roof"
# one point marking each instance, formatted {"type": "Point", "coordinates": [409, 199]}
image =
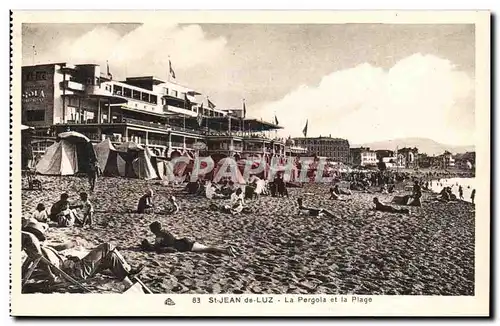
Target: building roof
{"type": "Point", "coordinates": [320, 138]}
{"type": "Point", "coordinates": [222, 123]}
{"type": "Point", "coordinates": [153, 79]}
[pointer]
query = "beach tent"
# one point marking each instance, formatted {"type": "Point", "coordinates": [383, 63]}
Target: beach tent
{"type": "Point", "coordinates": [112, 162]}
{"type": "Point", "coordinates": [126, 160]}
{"type": "Point", "coordinates": [254, 164]}
{"type": "Point", "coordinates": [71, 153]}
{"type": "Point", "coordinates": [230, 165]}
{"type": "Point", "coordinates": [142, 166]}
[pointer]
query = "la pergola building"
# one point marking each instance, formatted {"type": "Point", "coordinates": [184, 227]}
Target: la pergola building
{"type": "Point", "coordinates": [162, 115]}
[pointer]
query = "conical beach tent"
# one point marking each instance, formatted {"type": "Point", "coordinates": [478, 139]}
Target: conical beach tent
{"type": "Point", "coordinates": [227, 167]}
{"type": "Point", "coordinates": [72, 153]}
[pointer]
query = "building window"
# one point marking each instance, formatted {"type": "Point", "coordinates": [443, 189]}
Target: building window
{"type": "Point", "coordinates": [136, 95]}
{"type": "Point", "coordinates": [118, 90]}
{"type": "Point", "coordinates": [153, 99]}
{"type": "Point", "coordinates": [35, 115]}
{"type": "Point", "coordinates": [127, 92]}
{"type": "Point", "coordinates": [145, 97]}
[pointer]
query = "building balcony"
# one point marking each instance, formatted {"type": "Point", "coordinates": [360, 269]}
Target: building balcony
{"type": "Point", "coordinates": [175, 110]}
{"type": "Point", "coordinates": [72, 85]}
{"type": "Point", "coordinates": [97, 91]}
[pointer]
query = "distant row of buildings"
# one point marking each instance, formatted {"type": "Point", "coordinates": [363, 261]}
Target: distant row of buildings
{"type": "Point", "coordinates": [339, 150]}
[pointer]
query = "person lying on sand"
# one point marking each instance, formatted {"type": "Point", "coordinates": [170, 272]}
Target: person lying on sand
{"type": "Point", "coordinates": [166, 242]}
{"type": "Point", "coordinates": [146, 204]}
{"type": "Point", "coordinates": [340, 191]}
{"type": "Point", "coordinates": [312, 211]}
{"type": "Point", "coordinates": [387, 208]}
{"type": "Point", "coordinates": [103, 257]}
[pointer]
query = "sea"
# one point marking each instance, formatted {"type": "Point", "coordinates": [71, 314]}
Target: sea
{"type": "Point", "coordinates": [467, 184]}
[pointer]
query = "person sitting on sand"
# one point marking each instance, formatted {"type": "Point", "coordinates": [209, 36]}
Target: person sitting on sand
{"type": "Point", "coordinates": [103, 257]}
{"type": "Point", "coordinates": [336, 192]}
{"type": "Point", "coordinates": [391, 188]}
{"type": "Point", "coordinates": [57, 207]}
{"type": "Point", "coordinates": [236, 204]}
{"type": "Point", "coordinates": [146, 204]}
{"type": "Point", "coordinates": [211, 191]}
{"type": "Point", "coordinates": [312, 211]}
{"type": "Point", "coordinates": [67, 216]}
{"type": "Point", "coordinates": [40, 214]}
{"type": "Point", "coordinates": [174, 206]}
{"type": "Point", "coordinates": [383, 189]}
{"type": "Point", "coordinates": [166, 242]}
{"type": "Point", "coordinates": [387, 208]}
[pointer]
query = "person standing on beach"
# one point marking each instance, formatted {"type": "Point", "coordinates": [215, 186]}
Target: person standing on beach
{"type": "Point", "coordinates": [461, 192]}
{"type": "Point", "coordinates": [93, 172]}
{"type": "Point", "coordinates": [473, 195]}
{"type": "Point", "coordinates": [86, 210]}
{"type": "Point", "coordinates": [166, 242]}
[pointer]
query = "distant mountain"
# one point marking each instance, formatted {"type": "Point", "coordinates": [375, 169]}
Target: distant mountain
{"type": "Point", "coordinates": [424, 145]}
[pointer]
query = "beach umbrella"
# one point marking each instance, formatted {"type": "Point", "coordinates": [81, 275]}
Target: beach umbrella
{"type": "Point", "coordinates": [73, 136]}
{"type": "Point", "coordinates": [23, 127]}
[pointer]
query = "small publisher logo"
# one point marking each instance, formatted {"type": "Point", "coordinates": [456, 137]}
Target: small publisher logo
{"type": "Point", "coordinates": [169, 302]}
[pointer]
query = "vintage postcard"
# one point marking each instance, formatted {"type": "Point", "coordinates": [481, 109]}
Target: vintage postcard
{"type": "Point", "coordinates": [231, 163]}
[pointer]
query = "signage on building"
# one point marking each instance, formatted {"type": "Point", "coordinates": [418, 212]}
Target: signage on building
{"type": "Point", "coordinates": [199, 146]}
{"type": "Point", "coordinates": [37, 88]}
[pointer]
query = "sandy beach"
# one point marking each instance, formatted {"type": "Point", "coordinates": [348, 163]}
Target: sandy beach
{"type": "Point", "coordinates": [360, 251]}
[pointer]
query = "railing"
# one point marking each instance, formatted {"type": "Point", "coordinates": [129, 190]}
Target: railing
{"type": "Point", "coordinates": [177, 144]}
{"type": "Point", "coordinates": [158, 142]}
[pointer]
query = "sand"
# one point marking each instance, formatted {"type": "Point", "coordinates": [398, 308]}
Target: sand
{"type": "Point", "coordinates": [360, 251]}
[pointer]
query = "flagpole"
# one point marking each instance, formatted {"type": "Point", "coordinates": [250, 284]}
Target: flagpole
{"type": "Point", "coordinates": [34, 54]}
{"type": "Point", "coordinates": [169, 65]}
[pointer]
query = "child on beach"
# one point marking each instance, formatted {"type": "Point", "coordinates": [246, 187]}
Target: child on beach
{"type": "Point", "coordinates": [174, 208]}
{"type": "Point", "coordinates": [461, 192]}
{"type": "Point", "coordinates": [473, 195]}
{"type": "Point", "coordinates": [86, 210]}
{"type": "Point", "coordinates": [146, 204]}
{"type": "Point", "coordinates": [40, 214]}
{"type": "Point", "coordinates": [166, 242]}
{"type": "Point", "coordinates": [66, 217]}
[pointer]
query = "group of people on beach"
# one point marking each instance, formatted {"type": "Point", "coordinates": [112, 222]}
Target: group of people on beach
{"type": "Point", "coordinates": [105, 256]}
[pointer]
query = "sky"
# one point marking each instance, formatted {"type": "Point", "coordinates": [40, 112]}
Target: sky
{"type": "Point", "coordinates": [363, 82]}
